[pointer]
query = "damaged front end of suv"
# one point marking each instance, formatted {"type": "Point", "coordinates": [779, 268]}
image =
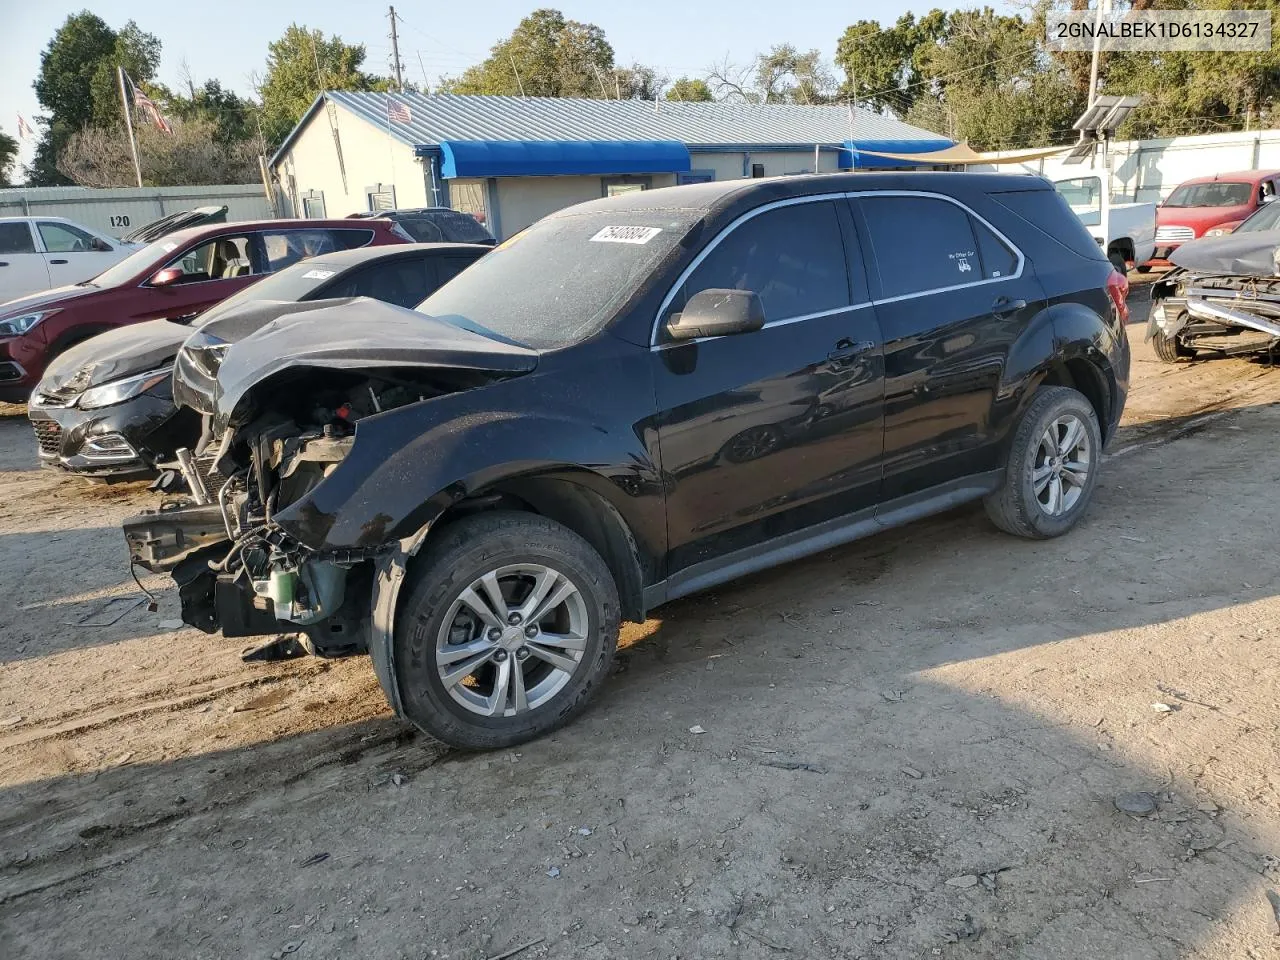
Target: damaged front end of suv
{"type": "Point", "coordinates": [1222, 299]}
{"type": "Point", "coordinates": [286, 408]}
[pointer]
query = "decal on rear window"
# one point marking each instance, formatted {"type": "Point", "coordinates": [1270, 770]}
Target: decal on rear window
{"type": "Point", "coordinates": [318, 274]}
{"type": "Point", "coordinates": [626, 234]}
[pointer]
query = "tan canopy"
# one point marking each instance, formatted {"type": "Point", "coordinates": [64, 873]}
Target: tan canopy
{"type": "Point", "coordinates": [962, 153]}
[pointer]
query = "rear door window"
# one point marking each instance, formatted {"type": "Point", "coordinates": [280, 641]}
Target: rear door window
{"type": "Point", "coordinates": [447, 268]}
{"type": "Point", "coordinates": [284, 248]}
{"type": "Point", "coordinates": [792, 256]}
{"type": "Point", "coordinates": [920, 244]}
{"type": "Point", "coordinates": [16, 238]}
{"type": "Point", "coordinates": [997, 259]}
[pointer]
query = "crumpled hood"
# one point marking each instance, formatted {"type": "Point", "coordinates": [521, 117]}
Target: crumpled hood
{"type": "Point", "coordinates": [57, 297]}
{"type": "Point", "coordinates": [117, 353]}
{"type": "Point", "coordinates": [357, 334]}
{"type": "Point", "coordinates": [1249, 254]}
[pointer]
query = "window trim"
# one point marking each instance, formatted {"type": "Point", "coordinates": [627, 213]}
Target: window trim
{"type": "Point", "coordinates": [655, 344]}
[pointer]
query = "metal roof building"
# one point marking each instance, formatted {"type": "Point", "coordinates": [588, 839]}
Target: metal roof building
{"type": "Point", "coordinates": [512, 160]}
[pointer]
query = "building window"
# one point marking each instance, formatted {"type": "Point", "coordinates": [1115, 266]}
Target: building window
{"type": "Point", "coordinates": [467, 196]}
{"type": "Point", "coordinates": [616, 186]}
{"type": "Point", "coordinates": [695, 176]}
{"type": "Point", "coordinates": [380, 197]}
{"type": "Point", "coordinates": [313, 204]}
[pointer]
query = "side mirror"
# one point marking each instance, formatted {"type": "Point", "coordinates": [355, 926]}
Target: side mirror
{"type": "Point", "coordinates": [166, 277]}
{"type": "Point", "coordinates": [99, 245]}
{"type": "Point", "coordinates": [717, 313]}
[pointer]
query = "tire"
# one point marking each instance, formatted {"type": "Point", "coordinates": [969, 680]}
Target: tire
{"type": "Point", "coordinates": [1018, 507]}
{"type": "Point", "coordinates": [1169, 349]}
{"type": "Point", "coordinates": [520, 548]}
{"type": "Point", "coordinates": [1118, 261]}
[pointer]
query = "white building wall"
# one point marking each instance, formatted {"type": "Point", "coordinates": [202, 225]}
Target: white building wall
{"type": "Point", "coordinates": [369, 155]}
{"type": "Point", "coordinates": [1147, 170]}
{"type": "Point", "coordinates": [735, 165]}
{"type": "Point", "coordinates": [523, 200]}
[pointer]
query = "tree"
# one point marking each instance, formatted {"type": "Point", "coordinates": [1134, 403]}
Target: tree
{"type": "Point", "coordinates": [691, 90]}
{"type": "Point", "coordinates": [192, 154]}
{"type": "Point", "coordinates": [783, 75]}
{"type": "Point", "coordinates": [880, 65]}
{"type": "Point", "coordinates": [77, 83]}
{"type": "Point", "coordinates": [545, 56]}
{"type": "Point", "coordinates": [301, 64]}
{"type": "Point", "coordinates": [234, 118]}
{"type": "Point", "coordinates": [8, 154]}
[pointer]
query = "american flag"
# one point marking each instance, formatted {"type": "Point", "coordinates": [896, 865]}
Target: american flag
{"type": "Point", "coordinates": [398, 112]}
{"type": "Point", "coordinates": [24, 129]}
{"type": "Point", "coordinates": [147, 106]}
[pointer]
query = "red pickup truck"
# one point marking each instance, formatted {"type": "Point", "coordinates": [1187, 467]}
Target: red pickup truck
{"type": "Point", "coordinates": [1211, 206]}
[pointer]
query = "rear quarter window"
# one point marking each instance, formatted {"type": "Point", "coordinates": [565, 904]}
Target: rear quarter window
{"type": "Point", "coordinates": [1049, 213]}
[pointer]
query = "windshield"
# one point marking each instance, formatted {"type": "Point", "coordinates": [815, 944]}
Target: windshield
{"type": "Point", "coordinates": [560, 281]}
{"type": "Point", "coordinates": [290, 285]}
{"type": "Point", "coordinates": [438, 226]}
{"type": "Point", "coordinates": [1265, 219]}
{"type": "Point", "coordinates": [152, 255]}
{"type": "Point", "coordinates": [1218, 194]}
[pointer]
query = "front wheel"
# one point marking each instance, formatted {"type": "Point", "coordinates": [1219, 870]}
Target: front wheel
{"type": "Point", "coordinates": [1052, 469]}
{"type": "Point", "coordinates": [1169, 349]}
{"type": "Point", "coordinates": [508, 633]}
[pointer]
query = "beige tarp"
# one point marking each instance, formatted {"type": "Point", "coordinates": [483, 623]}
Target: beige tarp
{"type": "Point", "coordinates": [962, 153]}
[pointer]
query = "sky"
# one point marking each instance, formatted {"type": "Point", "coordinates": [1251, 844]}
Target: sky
{"type": "Point", "coordinates": [228, 40]}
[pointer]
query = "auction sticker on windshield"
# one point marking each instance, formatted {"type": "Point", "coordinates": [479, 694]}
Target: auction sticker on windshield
{"type": "Point", "coordinates": [317, 275]}
{"type": "Point", "coordinates": [626, 234]}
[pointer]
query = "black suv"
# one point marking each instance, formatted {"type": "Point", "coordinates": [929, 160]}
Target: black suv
{"type": "Point", "coordinates": [635, 399]}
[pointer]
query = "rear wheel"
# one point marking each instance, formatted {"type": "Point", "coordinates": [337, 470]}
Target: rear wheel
{"type": "Point", "coordinates": [508, 633]}
{"type": "Point", "coordinates": [1052, 469]}
{"type": "Point", "coordinates": [1169, 349]}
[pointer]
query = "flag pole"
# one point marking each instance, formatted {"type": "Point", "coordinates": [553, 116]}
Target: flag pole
{"type": "Point", "coordinates": [128, 125]}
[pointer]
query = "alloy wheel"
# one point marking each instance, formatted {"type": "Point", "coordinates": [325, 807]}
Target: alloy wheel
{"type": "Point", "coordinates": [1062, 464]}
{"type": "Point", "coordinates": [512, 640]}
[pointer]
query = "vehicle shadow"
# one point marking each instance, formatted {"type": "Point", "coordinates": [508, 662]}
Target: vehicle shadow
{"type": "Point", "coordinates": [907, 747]}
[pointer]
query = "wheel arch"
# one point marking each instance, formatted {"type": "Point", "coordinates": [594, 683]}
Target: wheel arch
{"type": "Point", "coordinates": [574, 500]}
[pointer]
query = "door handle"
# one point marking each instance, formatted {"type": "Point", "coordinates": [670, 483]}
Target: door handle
{"type": "Point", "coordinates": [1004, 305]}
{"type": "Point", "coordinates": [57, 261]}
{"type": "Point", "coordinates": [847, 348]}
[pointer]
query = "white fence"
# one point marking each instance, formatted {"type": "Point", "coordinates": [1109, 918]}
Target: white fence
{"type": "Point", "coordinates": [1145, 170]}
{"type": "Point", "coordinates": [117, 211]}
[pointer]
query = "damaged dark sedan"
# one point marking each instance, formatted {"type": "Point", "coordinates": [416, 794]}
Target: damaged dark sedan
{"type": "Point", "coordinates": [635, 399]}
{"type": "Point", "coordinates": [105, 408]}
{"type": "Point", "coordinates": [1222, 298]}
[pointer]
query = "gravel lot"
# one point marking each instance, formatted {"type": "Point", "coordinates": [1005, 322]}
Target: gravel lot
{"type": "Point", "coordinates": [909, 747]}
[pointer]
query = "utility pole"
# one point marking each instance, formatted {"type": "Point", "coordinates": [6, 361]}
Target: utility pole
{"type": "Point", "coordinates": [128, 125]}
{"type": "Point", "coordinates": [395, 50]}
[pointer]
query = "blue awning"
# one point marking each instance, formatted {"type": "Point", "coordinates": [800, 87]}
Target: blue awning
{"type": "Point", "coordinates": [851, 157]}
{"type": "Point", "coordinates": [558, 158]}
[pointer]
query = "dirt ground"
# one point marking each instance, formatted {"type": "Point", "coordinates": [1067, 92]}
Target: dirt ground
{"type": "Point", "coordinates": [909, 747]}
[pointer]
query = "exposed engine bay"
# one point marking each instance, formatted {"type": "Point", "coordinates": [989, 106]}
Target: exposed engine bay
{"type": "Point", "coordinates": [237, 569]}
{"type": "Point", "coordinates": [1222, 299]}
{"type": "Point", "coordinates": [1218, 314]}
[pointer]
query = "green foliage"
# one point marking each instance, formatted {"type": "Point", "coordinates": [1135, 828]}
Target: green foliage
{"type": "Point", "coordinates": [545, 56]}
{"type": "Point", "coordinates": [233, 118]}
{"type": "Point", "coordinates": [299, 65]}
{"type": "Point", "coordinates": [785, 75]}
{"type": "Point", "coordinates": [8, 154]}
{"type": "Point", "coordinates": [687, 89]}
{"type": "Point", "coordinates": [986, 77]}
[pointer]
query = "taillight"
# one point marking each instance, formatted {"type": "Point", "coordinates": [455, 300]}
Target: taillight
{"type": "Point", "coordinates": [1118, 288]}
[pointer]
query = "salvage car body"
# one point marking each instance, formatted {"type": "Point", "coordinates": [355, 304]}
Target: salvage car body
{"type": "Point", "coordinates": [345, 450]}
{"type": "Point", "coordinates": [1222, 298]}
{"type": "Point", "coordinates": [105, 408]}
